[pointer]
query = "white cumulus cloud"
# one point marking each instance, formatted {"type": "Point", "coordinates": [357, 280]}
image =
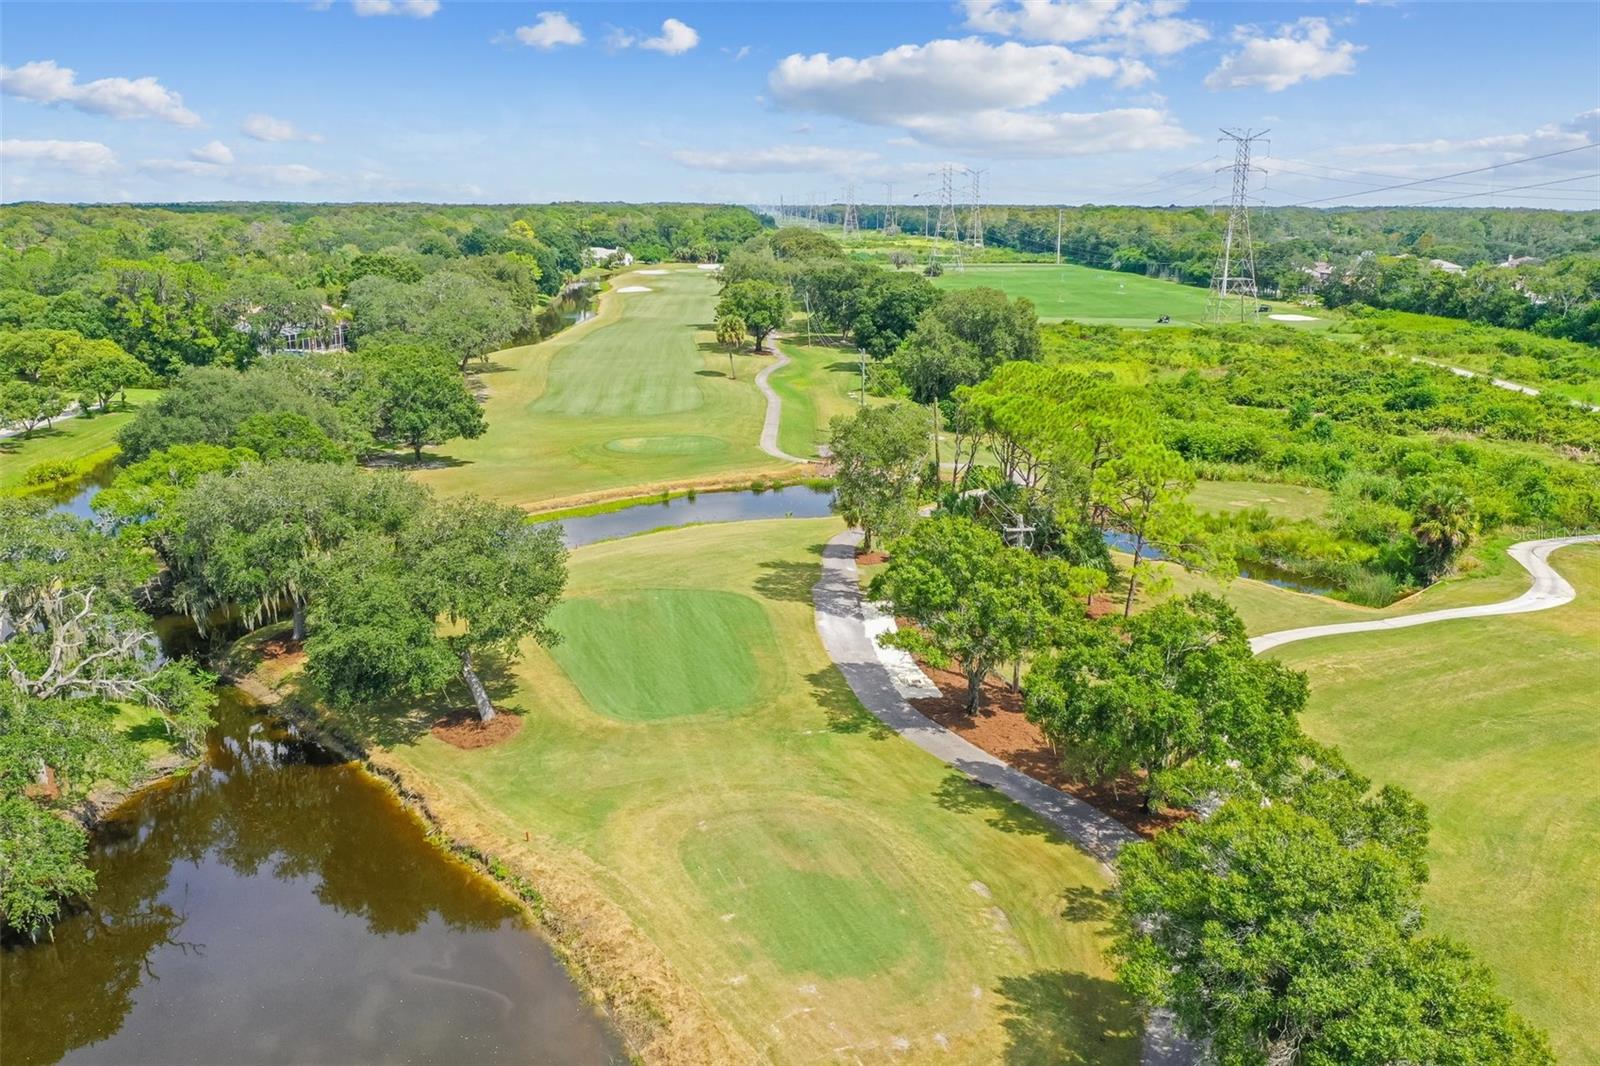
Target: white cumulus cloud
{"type": "Point", "coordinates": [43, 81]}
{"type": "Point", "coordinates": [776, 159]}
{"type": "Point", "coordinates": [940, 77]}
{"type": "Point", "coordinates": [84, 157]}
{"type": "Point", "coordinates": [979, 95]}
{"type": "Point", "coordinates": [1112, 25]}
{"type": "Point", "coordinates": [417, 9]}
{"type": "Point", "coordinates": [1303, 50]}
{"type": "Point", "coordinates": [267, 128]}
{"type": "Point", "coordinates": [674, 39]}
{"type": "Point", "coordinates": [215, 152]}
{"type": "Point", "coordinates": [551, 30]}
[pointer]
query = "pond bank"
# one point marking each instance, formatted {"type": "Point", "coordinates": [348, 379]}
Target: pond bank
{"type": "Point", "coordinates": [267, 876]}
{"type": "Point", "coordinates": [660, 1018]}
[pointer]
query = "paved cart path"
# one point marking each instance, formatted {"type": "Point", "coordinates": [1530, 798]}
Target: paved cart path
{"type": "Point", "coordinates": [841, 622]}
{"type": "Point", "coordinates": [769, 429]}
{"type": "Point", "coordinates": [1549, 590]}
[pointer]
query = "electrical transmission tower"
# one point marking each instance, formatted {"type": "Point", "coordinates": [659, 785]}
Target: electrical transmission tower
{"type": "Point", "coordinates": [891, 221]}
{"type": "Point", "coordinates": [1235, 274]}
{"type": "Point", "coordinates": [949, 226]}
{"type": "Point", "coordinates": [975, 230]}
{"type": "Point", "coordinates": [851, 224]}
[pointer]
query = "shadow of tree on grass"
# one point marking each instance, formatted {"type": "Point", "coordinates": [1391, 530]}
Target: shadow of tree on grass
{"type": "Point", "coordinates": [1058, 1017]}
{"type": "Point", "coordinates": [787, 582]}
{"type": "Point", "coordinates": [1080, 903]}
{"type": "Point", "coordinates": [844, 711]}
{"type": "Point", "coordinates": [959, 793]}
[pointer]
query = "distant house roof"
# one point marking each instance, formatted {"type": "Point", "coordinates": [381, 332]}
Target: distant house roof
{"type": "Point", "coordinates": [1519, 260]}
{"type": "Point", "coordinates": [1447, 266]}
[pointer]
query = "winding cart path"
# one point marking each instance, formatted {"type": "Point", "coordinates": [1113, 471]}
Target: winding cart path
{"type": "Point", "coordinates": [842, 618]}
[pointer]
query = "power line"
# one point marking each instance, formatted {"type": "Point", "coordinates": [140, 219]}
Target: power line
{"type": "Point", "coordinates": [1511, 188]}
{"type": "Point", "coordinates": [1369, 173]}
{"type": "Point", "coordinates": [1443, 177]}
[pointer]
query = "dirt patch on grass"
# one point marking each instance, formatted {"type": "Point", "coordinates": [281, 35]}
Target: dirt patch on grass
{"type": "Point", "coordinates": [1002, 730]}
{"type": "Point", "coordinates": [462, 729]}
{"type": "Point", "coordinates": [872, 558]}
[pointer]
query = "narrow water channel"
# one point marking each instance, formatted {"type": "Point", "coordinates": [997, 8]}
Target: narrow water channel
{"type": "Point", "coordinates": [278, 905]}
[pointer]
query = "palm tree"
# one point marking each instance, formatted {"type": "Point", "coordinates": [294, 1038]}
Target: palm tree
{"type": "Point", "coordinates": [1442, 524]}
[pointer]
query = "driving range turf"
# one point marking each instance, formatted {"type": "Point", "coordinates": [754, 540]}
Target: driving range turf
{"type": "Point", "coordinates": [636, 398]}
{"type": "Point", "coordinates": [1085, 294]}
{"type": "Point", "coordinates": [828, 891]}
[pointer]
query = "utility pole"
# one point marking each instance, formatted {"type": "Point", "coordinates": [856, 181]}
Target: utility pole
{"type": "Point", "coordinates": [1235, 273]}
{"type": "Point", "coordinates": [975, 230]}
{"type": "Point", "coordinates": [1058, 236]}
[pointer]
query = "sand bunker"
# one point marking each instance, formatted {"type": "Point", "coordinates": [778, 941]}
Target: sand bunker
{"type": "Point", "coordinates": [1293, 318]}
{"type": "Point", "coordinates": [633, 288]}
{"type": "Point", "coordinates": [709, 266]}
{"type": "Point", "coordinates": [652, 271]}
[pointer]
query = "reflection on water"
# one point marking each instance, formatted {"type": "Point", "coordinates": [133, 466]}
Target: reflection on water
{"type": "Point", "coordinates": [796, 501]}
{"type": "Point", "coordinates": [278, 905]}
{"type": "Point", "coordinates": [76, 497]}
{"type": "Point", "coordinates": [1255, 571]}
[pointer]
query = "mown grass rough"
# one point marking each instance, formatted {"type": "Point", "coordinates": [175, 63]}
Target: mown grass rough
{"type": "Point", "coordinates": [829, 891]}
{"type": "Point", "coordinates": [1492, 723]}
{"type": "Point", "coordinates": [69, 440]}
{"type": "Point", "coordinates": [822, 380]}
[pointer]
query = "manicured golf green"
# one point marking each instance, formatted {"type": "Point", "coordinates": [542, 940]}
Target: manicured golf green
{"type": "Point", "coordinates": [821, 381]}
{"type": "Point", "coordinates": [661, 653]}
{"type": "Point", "coordinates": [1084, 294]}
{"type": "Point", "coordinates": [1492, 723]}
{"type": "Point", "coordinates": [827, 891]}
{"type": "Point", "coordinates": [635, 399]}
{"type": "Point", "coordinates": [68, 440]}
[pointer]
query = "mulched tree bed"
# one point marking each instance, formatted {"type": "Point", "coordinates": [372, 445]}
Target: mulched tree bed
{"type": "Point", "coordinates": [1002, 730]}
{"type": "Point", "coordinates": [461, 729]}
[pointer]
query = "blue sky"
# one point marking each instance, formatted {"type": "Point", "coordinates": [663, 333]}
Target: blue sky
{"type": "Point", "coordinates": [1056, 102]}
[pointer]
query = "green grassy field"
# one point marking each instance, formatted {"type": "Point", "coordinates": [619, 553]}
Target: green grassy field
{"type": "Point", "coordinates": [637, 398]}
{"type": "Point", "coordinates": [1288, 501]}
{"type": "Point", "coordinates": [1492, 723]}
{"type": "Point", "coordinates": [820, 382]}
{"type": "Point", "coordinates": [828, 891]}
{"type": "Point", "coordinates": [70, 440]}
{"type": "Point", "coordinates": [1084, 294]}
